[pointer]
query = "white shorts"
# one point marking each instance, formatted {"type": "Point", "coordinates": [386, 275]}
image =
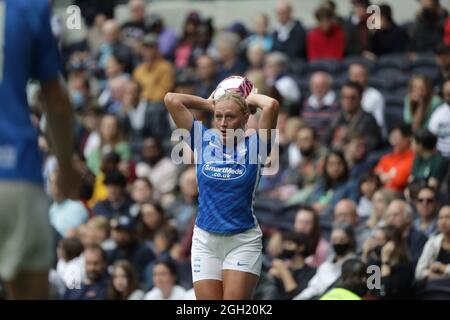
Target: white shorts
{"type": "Point", "coordinates": [25, 233]}
{"type": "Point", "coordinates": [211, 253]}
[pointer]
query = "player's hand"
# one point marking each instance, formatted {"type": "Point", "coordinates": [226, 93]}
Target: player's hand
{"type": "Point", "coordinates": [70, 181]}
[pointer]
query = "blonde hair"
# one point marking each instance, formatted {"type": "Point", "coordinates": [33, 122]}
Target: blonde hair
{"type": "Point", "coordinates": [99, 222]}
{"type": "Point", "coordinates": [388, 196]}
{"type": "Point", "coordinates": [236, 98]}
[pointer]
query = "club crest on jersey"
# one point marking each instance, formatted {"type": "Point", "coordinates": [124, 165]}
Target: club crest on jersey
{"type": "Point", "coordinates": [223, 170]}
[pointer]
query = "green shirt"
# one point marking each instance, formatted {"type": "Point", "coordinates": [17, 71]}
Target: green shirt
{"type": "Point", "coordinates": [340, 294]}
{"type": "Point", "coordinates": [436, 101]}
{"type": "Point", "coordinates": [434, 167]}
{"type": "Point", "coordinates": [94, 158]}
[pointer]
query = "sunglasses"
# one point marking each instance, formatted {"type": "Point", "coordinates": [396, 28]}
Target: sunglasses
{"type": "Point", "coordinates": [427, 200]}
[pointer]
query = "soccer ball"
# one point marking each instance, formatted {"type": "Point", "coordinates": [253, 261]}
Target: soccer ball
{"type": "Point", "coordinates": [238, 84]}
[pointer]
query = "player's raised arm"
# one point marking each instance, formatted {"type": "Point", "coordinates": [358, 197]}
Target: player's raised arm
{"type": "Point", "coordinates": [179, 104]}
{"type": "Point", "coordinates": [269, 114]}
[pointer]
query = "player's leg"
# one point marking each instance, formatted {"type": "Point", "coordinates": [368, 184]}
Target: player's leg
{"type": "Point", "coordinates": [208, 290]}
{"type": "Point", "coordinates": [29, 286]}
{"type": "Point", "coordinates": [238, 285]}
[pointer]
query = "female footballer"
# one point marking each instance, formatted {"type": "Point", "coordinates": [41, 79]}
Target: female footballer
{"type": "Point", "coordinates": [227, 242]}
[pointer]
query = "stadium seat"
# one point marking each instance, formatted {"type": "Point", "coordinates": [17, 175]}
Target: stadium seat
{"type": "Point", "coordinates": [299, 67]}
{"type": "Point", "coordinates": [397, 61]}
{"type": "Point", "coordinates": [429, 71]}
{"type": "Point", "coordinates": [393, 115]}
{"type": "Point", "coordinates": [331, 66]}
{"type": "Point", "coordinates": [371, 65]}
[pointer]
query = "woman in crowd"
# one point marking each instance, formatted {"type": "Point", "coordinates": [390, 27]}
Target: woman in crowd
{"type": "Point", "coordinates": [124, 284]}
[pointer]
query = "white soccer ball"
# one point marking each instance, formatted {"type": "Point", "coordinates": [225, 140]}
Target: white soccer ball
{"type": "Point", "coordinates": [238, 84]}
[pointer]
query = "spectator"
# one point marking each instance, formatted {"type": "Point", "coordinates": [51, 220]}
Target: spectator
{"type": "Point", "coordinates": [185, 207]}
{"type": "Point", "coordinates": [65, 214]}
{"type": "Point", "coordinates": [399, 215]}
{"type": "Point", "coordinates": [261, 34]}
{"type": "Point", "coordinates": [123, 232]}
{"type": "Point", "coordinates": [151, 218]}
{"type": "Point", "coordinates": [207, 77]}
{"type": "Point", "coordinates": [95, 285]}
{"type": "Point", "coordinates": [97, 231]}
{"type": "Point", "coordinates": [390, 38]}
{"type": "Point", "coordinates": [439, 123]}
{"type": "Point", "coordinates": [356, 31]}
{"type": "Point", "coordinates": [89, 137]}
{"type": "Point", "coordinates": [117, 202]}
{"type": "Point", "coordinates": [353, 119]}
{"type": "Point", "coordinates": [368, 185]}
{"type": "Point", "coordinates": [275, 69]}
{"type": "Point", "coordinates": [110, 140]}
{"type": "Point", "coordinates": [333, 186]}
{"type": "Point", "coordinates": [185, 45]}
{"type": "Point", "coordinates": [372, 99]}
{"type": "Point", "coordinates": [141, 193]}
{"type": "Point", "coordinates": [327, 40]}
{"type": "Point", "coordinates": [380, 201]}
{"type": "Point", "coordinates": [322, 105]}
{"type": "Point", "coordinates": [289, 271]}
{"type": "Point", "coordinates": [394, 168]}
{"type": "Point", "coordinates": [427, 209]}
{"type": "Point", "coordinates": [165, 280]}
{"type": "Point", "coordinates": [352, 284]}
{"type": "Point", "coordinates": [112, 46]}
{"type": "Point", "coordinates": [329, 272]}
{"type": "Point", "coordinates": [70, 263]}
{"type": "Point", "coordinates": [167, 38]}
{"type": "Point", "coordinates": [427, 30]}
{"type": "Point", "coordinates": [116, 86]}
{"type": "Point", "coordinates": [420, 103]}
{"type": "Point", "coordinates": [230, 64]}
{"type": "Point", "coordinates": [114, 70]}
{"type": "Point", "coordinates": [434, 263]}
{"type": "Point", "coordinates": [428, 165]}
{"type": "Point", "coordinates": [442, 55]}
{"type": "Point", "coordinates": [80, 90]}
{"type": "Point", "coordinates": [155, 75]}
{"type": "Point", "coordinates": [124, 284]}
{"type": "Point", "coordinates": [157, 168]}
{"type": "Point", "coordinates": [133, 30]}
{"type": "Point", "coordinates": [358, 159]}
{"type": "Point", "coordinates": [255, 57]}
{"type": "Point", "coordinates": [289, 36]}
{"type": "Point", "coordinates": [203, 42]}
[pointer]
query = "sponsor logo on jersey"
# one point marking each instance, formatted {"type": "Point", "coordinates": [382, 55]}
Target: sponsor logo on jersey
{"type": "Point", "coordinates": [223, 170]}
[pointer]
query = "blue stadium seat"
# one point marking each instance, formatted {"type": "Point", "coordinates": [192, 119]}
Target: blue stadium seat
{"type": "Point", "coordinates": [371, 65]}
{"type": "Point", "coordinates": [331, 66]}
{"type": "Point", "coordinates": [397, 61]}
{"type": "Point", "coordinates": [393, 115]}
{"type": "Point", "coordinates": [429, 71]}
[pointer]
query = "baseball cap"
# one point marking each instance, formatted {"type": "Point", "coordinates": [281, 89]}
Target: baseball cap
{"type": "Point", "coordinates": [122, 223]}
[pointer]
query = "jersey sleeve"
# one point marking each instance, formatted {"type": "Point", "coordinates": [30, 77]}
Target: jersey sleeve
{"type": "Point", "coordinates": [47, 59]}
{"type": "Point", "coordinates": [196, 135]}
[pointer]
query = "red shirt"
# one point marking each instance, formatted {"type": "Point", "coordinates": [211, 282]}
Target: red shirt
{"type": "Point", "coordinates": [326, 46]}
{"type": "Point", "coordinates": [402, 163]}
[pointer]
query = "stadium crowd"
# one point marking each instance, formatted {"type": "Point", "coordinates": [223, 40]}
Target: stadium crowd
{"type": "Point", "coordinates": [364, 151]}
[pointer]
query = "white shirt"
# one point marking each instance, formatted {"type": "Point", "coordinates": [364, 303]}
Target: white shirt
{"type": "Point", "coordinates": [163, 175]}
{"type": "Point", "coordinates": [284, 31]}
{"type": "Point", "coordinates": [439, 124]}
{"type": "Point", "coordinates": [137, 115]}
{"type": "Point", "coordinates": [178, 293]}
{"type": "Point", "coordinates": [327, 100]}
{"type": "Point", "coordinates": [373, 103]}
{"type": "Point", "coordinates": [92, 143]}
{"type": "Point", "coordinates": [288, 89]}
{"type": "Point", "coordinates": [294, 155]}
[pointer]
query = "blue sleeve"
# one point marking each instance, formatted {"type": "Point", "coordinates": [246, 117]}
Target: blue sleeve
{"type": "Point", "coordinates": [47, 60]}
{"type": "Point", "coordinates": [196, 134]}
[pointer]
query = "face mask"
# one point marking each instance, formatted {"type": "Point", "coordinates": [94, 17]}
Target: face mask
{"type": "Point", "coordinates": [287, 254]}
{"type": "Point", "coordinates": [77, 99]}
{"type": "Point", "coordinates": [341, 248]}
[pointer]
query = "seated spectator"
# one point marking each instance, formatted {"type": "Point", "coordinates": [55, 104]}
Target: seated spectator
{"type": "Point", "coordinates": [306, 222]}
{"type": "Point", "coordinates": [165, 282]}
{"type": "Point", "coordinates": [110, 162]}
{"type": "Point", "coordinates": [439, 123]}
{"type": "Point", "coordinates": [434, 263]}
{"type": "Point", "coordinates": [356, 31]}
{"type": "Point", "coordinates": [420, 103]}
{"type": "Point", "coordinates": [343, 242]}
{"type": "Point", "coordinates": [368, 185]}
{"type": "Point", "coordinates": [390, 38]}
{"type": "Point", "coordinates": [227, 44]}
{"type": "Point", "coordinates": [261, 35]}
{"type": "Point", "coordinates": [115, 77]}
{"type": "Point", "coordinates": [290, 274]}
{"type": "Point", "coordinates": [97, 231]}
{"type": "Point", "coordinates": [358, 159]}
{"type": "Point", "coordinates": [427, 209]}
{"type": "Point", "coordinates": [380, 201]}
{"type": "Point", "coordinates": [207, 77]}
{"type": "Point", "coordinates": [442, 55]}
{"type": "Point", "coordinates": [322, 105]}
{"type": "Point", "coordinates": [427, 30]}
{"type": "Point", "coordinates": [155, 75]}
{"type": "Point", "coordinates": [372, 99]}
{"type": "Point", "coordinates": [204, 40]}
{"type": "Point", "coordinates": [124, 284]}
{"type": "Point", "coordinates": [333, 186]}
{"type": "Point", "coordinates": [255, 56]}
{"type": "Point", "coordinates": [70, 263]}
{"type": "Point", "coordinates": [117, 202]}
{"type": "Point", "coordinates": [110, 140]}
{"type": "Point", "coordinates": [353, 119]}
{"type": "Point", "coordinates": [141, 193]}
{"type": "Point", "coordinates": [123, 232]}
{"type": "Point", "coordinates": [157, 168]}
{"type": "Point", "coordinates": [80, 90]}
{"type": "Point", "coordinates": [289, 36]}
{"type": "Point", "coordinates": [65, 215]}
{"type": "Point", "coordinates": [117, 87]}
{"type": "Point", "coordinates": [185, 207]}
{"type": "Point", "coordinates": [389, 251]}
{"type": "Point", "coordinates": [112, 45]}
{"type": "Point", "coordinates": [133, 30]}
{"type": "Point", "coordinates": [399, 214]}
{"type": "Point", "coordinates": [151, 218]}
{"type": "Point", "coordinates": [428, 164]}
{"type": "Point", "coordinates": [275, 69]}
{"type": "Point", "coordinates": [394, 168]}
{"type": "Point", "coordinates": [167, 38]}
{"type": "Point", "coordinates": [185, 45]}
{"type": "Point", "coordinates": [95, 285]}
{"type": "Point", "coordinates": [88, 137]}
{"type": "Point", "coordinates": [327, 40]}
{"type": "Point", "coordinates": [352, 284]}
